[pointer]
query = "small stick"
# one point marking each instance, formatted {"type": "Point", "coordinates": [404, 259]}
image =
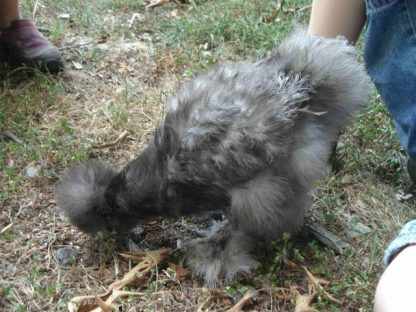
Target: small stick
{"type": "Point", "coordinates": [306, 7]}
{"type": "Point", "coordinates": [76, 45]}
{"type": "Point", "coordinates": [242, 302]}
{"type": "Point", "coordinates": [6, 228]}
{"type": "Point", "coordinates": [316, 282]}
{"type": "Point", "coordinates": [11, 136]}
{"type": "Point", "coordinates": [104, 302]}
{"type": "Point", "coordinates": [152, 259]}
{"type": "Point", "coordinates": [275, 12]}
{"type": "Point", "coordinates": [103, 305]}
{"type": "Point", "coordinates": [200, 308]}
{"type": "Point", "coordinates": [327, 238]}
{"type": "Point", "coordinates": [157, 3]}
{"type": "Point", "coordinates": [303, 302]}
{"type": "Point", "coordinates": [120, 138]}
{"type": "Point", "coordinates": [35, 7]}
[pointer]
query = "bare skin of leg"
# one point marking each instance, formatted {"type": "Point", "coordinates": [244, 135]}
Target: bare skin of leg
{"type": "Point", "coordinates": [396, 290]}
{"type": "Point", "coordinates": [9, 11]}
{"type": "Point", "coordinates": [330, 18]}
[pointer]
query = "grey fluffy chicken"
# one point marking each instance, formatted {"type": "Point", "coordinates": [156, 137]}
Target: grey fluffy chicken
{"type": "Point", "coordinates": [249, 139]}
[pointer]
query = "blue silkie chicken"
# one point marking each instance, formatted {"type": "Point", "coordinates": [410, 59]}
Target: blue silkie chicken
{"type": "Point", "coordinates": [249, 139]}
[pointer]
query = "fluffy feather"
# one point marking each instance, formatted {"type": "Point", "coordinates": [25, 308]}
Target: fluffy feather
{"type": "Point", "coordinates": [249, 139]}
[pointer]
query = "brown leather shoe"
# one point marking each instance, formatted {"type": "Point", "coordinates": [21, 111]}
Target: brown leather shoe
{"type": "Point", "coordinates": [25, 45]}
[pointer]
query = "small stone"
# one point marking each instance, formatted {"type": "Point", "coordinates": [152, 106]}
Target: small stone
{"type": "Point", "coordinates": [351, 234]}
{"type": "Point", "coordinates": [206, 53]}
{"type": "Point", "coordinates": [357, 230]}
{"type": "Point", "coordinates": [132, 246]}
{"type": "Point", "coordinates": [78, 66]}
{"type": "Point", "coordinates": [66, 255]}
{"type": "Point", "coordinates": [403, 197]}
{"type": "Point", "coordinates": [137, 234]}
{"type": "Point", "coordinates": [66, 16]}
{"type": "Point", "coordinates": [7, 270]}
{"type": "Point", "coordinates": [361, 228]}
{"type": "Point", "coordinates": [32, 171]}
{"type": "Point", "coordinates": [185, 289]}
{"type": "Point", "coordinates": [365, 263]}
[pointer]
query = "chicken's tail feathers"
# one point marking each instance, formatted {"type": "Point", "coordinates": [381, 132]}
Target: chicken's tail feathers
{"type": "Point", "coordinates": [337, 82]}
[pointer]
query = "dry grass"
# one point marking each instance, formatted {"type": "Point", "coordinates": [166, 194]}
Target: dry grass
{"type": "Point", "coordinates": [128, 72]}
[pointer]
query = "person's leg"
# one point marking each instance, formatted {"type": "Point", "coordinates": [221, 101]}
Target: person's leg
{"type": "Point", "coordinates": [9, 12]}
{"type": "Point", "coordinates": [395, 290]}
{"type": "Point", "coordinates": [331, 18]}
{"type": "Point", "coordinates": [390, 44]}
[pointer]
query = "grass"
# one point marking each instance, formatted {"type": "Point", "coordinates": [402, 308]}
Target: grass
{"type": "Point", "coordinates": [128, 73]}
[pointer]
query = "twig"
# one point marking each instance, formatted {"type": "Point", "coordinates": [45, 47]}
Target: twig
{"type": "Point", "coordinates": [43, 29]}
{"type": "Point", "coordinates": [275, 12]}
{"type": "Point", "coordinates": [303, 302]}
{"type": "Point", "coordinates": [116, 266]}
{"type": "Point", "coordinates": [327, 238]}
{"type": "Point", "coordinates": [306, 7]}
{"type": "Point", "coordinates": [120, 138]}
{"type": "Point", "coordinates": [35, 7]}
{"type": "Point", "coordinates": [157, 3]}
{"type": "Point", "coordinates": [200, 308]}
{"type": "Point", "coordinates": [76, 45]}
{"type": "Point", "coordinates": [151, 259]}
{"type": "Point", "coordinates": [242, 302]}
{"type": "Point", "coordinates": [103, 305]}
{"type": "Point", "coordinates": [11, 136]}
{"type": "Point", "coordinates": [317, 282]}
{"type": "Point", "coordinates": [6, 228]}
{"type": "Point", "coordinates": [104, 302]}
{"type": "Point", "coordinates": [133, 18]}
{"type": "Point", "coordinates": [296, 10]}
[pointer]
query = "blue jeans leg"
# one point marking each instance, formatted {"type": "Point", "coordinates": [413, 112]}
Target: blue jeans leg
{"type": "Point", "coordinates": [390, 56]}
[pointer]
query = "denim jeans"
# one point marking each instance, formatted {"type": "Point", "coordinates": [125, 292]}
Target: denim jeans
{"type": "Point", "coordinates": [390, 56]}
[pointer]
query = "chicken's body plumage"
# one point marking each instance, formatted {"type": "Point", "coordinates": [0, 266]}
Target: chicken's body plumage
{"type": "Point", "coordinates": [249, 139]}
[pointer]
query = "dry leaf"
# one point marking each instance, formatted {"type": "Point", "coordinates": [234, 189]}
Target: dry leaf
{"type": "Point", "coordinates": [174, 13]}
{"type": "Point", "coordinates": [104, 272]}
{"type": "Point", "coordinates": [293, 266]}
{"type": "Point", "coordinates": [181, 272]}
